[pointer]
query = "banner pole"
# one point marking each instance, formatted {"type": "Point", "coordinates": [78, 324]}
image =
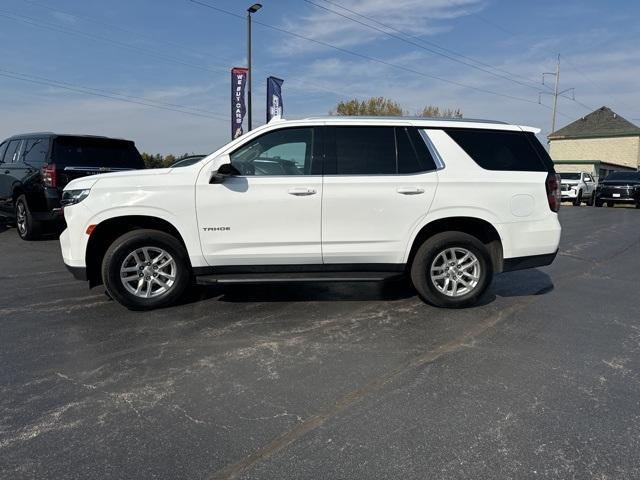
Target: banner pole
{"type": "Point", "coordinates": [249, 73]}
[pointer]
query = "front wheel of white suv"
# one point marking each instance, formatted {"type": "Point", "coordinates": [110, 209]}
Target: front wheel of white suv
{"type": "Point", "coordinates": [451, 270]}
{"type": "Point", "coordinates": [146, 269]}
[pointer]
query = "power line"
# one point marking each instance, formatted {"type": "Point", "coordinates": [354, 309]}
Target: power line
{"type": "Point", "coordinates": [367, 57]}
{"type": "Point", "coordinates": [78, 33]}
{"type": "Point", "coordinates": [106, 94]}
{"type": "Point", "coordinates": [114, 27]}
{"type": "Point", "coordinates": [410, 39]}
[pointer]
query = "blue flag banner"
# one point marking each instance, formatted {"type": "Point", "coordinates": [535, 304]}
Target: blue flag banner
{"type": "Point", "coordinates": [238, 107]}
{"type": "Point", "coordinates": [275, 107]}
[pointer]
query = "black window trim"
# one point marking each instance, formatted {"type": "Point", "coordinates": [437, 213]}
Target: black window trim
{"type": "Point", "coordinates": [317, 150]}
{"type": "Point", "coordinates": [331, 145]}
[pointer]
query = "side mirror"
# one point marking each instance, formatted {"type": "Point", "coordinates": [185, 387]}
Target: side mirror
{"type": "Point", "coordinates": [224, 171]}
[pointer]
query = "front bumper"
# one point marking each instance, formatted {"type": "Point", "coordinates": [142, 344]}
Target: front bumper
{"type": "Point", "coordinates": [622, 195]}
{"type": "Point", "coordinates": [569, 194]}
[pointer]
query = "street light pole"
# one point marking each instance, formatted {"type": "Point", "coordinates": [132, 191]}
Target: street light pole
{"type": "Point", "coordinates": [252, 9]}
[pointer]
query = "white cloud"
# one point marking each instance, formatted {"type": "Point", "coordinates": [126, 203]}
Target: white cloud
{"type": "Point", "coordinates": [414, 17]}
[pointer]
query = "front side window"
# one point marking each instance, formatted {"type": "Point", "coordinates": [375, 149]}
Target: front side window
{"type": "Point", "coordinates": [502, 150]}
{"type": "Point", "coordinates": [282, 152]}
{"type": "Point", "coordinates": [3, 148]}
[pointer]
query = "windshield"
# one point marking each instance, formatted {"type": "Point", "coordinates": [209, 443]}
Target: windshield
{"type": "Point", "coordinates": [624, 176]}
{"type": "Point", "coordinates": [96, 152]}
{"type": "Point", "coordinates": [570, 176]}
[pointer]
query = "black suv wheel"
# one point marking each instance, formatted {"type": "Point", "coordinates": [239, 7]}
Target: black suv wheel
{"type": "Point", "coordinates": [27, 227]}
{"type": "Point", "coordinates": [451, 269]}
{"type": "Point", "coordinates": [146, 269]}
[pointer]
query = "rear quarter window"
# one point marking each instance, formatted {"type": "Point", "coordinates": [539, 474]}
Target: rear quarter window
{"type": "Point", "coordinates": [503, 150]}
{"type": "Point", "coordinates": [96, 152]}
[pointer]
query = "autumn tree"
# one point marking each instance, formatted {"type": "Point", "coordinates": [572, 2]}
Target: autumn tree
{"type": "Point", "coordinates": [385, 107]}
{"type": "Point", "coordinates": [436, 112]}
{"type": "Point", "coordinates": [375, 106]}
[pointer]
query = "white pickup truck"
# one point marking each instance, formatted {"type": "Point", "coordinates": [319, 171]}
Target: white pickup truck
{"type": "Point", "coordinates": [578, 187]}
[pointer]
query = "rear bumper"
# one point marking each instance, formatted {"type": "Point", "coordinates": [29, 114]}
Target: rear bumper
{"type": "Point", "coordinates": [532, 261]}
{"type": "Point", "coordinates": [79, 273]}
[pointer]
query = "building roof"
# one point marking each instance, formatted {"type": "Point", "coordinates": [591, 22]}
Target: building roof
{"type": "Point", "coordinates": [604, 122]}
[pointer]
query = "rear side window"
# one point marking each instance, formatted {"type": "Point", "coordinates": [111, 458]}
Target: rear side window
{"type": "Point", "coordinates": [376, 151]}
{"type": "Point", "coordinates": [502, 150]}
{"type": "Point", "coordinates": [96, 152]}
{"type": "Point", "coordinates": [13, 150]}
{"type": "Point", "coordinates": [35, 151]}
{"type": "Point", "coordinates": [413, 154]}
{"type": "Point", "coordinates": [365, 150]}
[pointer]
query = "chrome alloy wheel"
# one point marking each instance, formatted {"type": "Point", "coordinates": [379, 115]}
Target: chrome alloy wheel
{"type": "Point", "coordinates": [21, 218]}
{"type": "Point", "coordinates": [148, 272]}
{"type": "Point", "coordinates": [455, 271]}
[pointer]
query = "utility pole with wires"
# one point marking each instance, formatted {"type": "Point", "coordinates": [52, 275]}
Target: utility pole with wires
{"type": "Point", "coordinates": [556, 93]}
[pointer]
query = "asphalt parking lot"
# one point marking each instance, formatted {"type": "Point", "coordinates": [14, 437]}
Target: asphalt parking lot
{"type": "Point", "coordinates": [542, 380]}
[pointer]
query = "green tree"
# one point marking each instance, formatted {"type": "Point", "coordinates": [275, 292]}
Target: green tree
{"type": "Point", "coordinates": [374, 106]}
{"type": "Point", "coordinates": [435, 112]}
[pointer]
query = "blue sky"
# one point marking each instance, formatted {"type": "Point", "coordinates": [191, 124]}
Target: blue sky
{"type": "Point", "coordinates": [177, 54]}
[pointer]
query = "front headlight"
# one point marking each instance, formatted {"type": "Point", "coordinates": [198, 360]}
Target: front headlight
{"type": "Point", "coordinates": [71, 197]}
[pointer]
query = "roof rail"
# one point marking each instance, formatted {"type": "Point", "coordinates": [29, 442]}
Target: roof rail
{"type": "Point", "coordinates": [434, 119]}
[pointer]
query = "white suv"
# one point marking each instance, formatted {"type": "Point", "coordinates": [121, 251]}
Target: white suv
{"type": "Point", "coordinates": [448, 203]}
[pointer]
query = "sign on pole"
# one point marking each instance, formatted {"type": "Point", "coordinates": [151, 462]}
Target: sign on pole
{"type": "Point", "coordinates": [275, 106]}
{"type": "Point", "coordinates": [238, 107]}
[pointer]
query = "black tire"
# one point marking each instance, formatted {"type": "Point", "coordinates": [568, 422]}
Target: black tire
{"type": "Point", "coordinates": [610, 204]}
{"type": "Point", "coordinates": [120, 250]}
{"type": "Point", "coordinates": [427, 253]}
{"type": "Point", "coordinates": [597, 203]}
{"type": "Point", "coordinates": [578, 199]}
{"type": "Point", "coordinates": [26, 226]}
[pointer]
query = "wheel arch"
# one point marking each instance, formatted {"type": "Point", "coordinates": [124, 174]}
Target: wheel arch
{"type": "Point", "coordinates": [107, 231]}
{"type": "Point", "coordinates": [480, 228]}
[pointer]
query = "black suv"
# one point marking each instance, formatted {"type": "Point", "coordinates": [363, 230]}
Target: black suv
{"type": "Point", "coordinates": [35, 167]}
{"type": "Point", "coordinates": [619, 187]}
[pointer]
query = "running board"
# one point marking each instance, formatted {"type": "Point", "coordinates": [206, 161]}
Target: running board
{"type": "Point", "coordinates": [296, 277]}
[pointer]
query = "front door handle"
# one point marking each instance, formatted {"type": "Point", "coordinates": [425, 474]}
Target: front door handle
{"type": "Point", "coordinates": [410, 190]}
{"type": "Point", "coordinates": [302, 191]}
{"type": "Point", "coordinates": [7, 172]}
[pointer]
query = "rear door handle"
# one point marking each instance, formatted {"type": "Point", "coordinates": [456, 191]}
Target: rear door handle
{"type": "Point", "coordinates": [302, 191]}
{"type": "Point", "coordinates": [410, 190]}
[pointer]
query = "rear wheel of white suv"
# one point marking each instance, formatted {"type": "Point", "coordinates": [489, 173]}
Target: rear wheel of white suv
{"type": "Point", "coordinates": [452, 270]}
{"type": "Point", "coordinates": [146, 269]}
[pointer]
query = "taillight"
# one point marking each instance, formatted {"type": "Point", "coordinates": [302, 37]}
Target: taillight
{"type": "Point", "coordinates": [49, 175]}
{"type": "Point", "coordinates": [554, 195]}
